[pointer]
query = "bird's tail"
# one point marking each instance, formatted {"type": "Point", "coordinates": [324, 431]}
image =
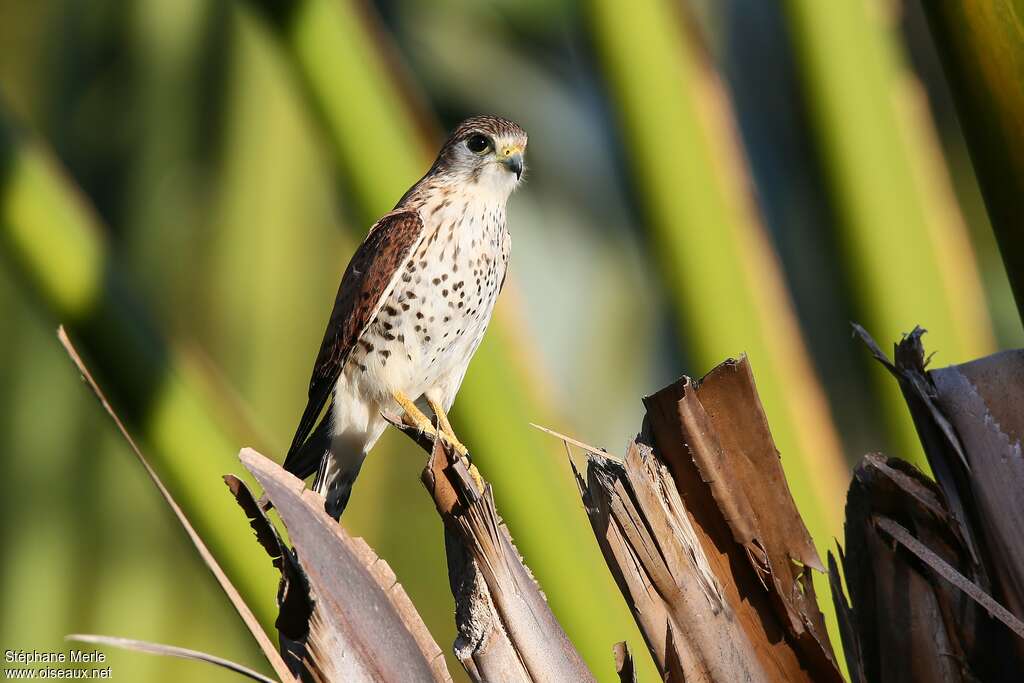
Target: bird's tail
{"type": "Point", "coordinates": [338, 470]}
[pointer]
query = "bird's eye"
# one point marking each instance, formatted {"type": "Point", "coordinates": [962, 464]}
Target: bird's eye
{"type": "Point", "coordinates": [478, 143]}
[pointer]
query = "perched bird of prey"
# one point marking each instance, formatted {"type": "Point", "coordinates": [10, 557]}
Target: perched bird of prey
{"type": "Point", "coordinates": [412, 308]}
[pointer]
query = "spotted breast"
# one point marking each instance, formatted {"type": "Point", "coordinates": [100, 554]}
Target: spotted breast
{"type": "Point", "coordinates": [435, 317]}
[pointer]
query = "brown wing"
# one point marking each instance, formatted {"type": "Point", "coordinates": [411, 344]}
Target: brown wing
{"type": "Point", "coordinates": [365, 285]}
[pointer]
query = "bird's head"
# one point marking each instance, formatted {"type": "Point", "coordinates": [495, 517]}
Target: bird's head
{"type": "Point", "coordinates": [486, 151]}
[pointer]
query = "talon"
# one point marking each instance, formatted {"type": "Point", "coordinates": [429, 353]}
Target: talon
{"type": "Point", "coordinates": [414, 417]}
{"type": "Point", "coordinates": [456, 445]}
{"type": "Point", "coordinates": [445, 428]}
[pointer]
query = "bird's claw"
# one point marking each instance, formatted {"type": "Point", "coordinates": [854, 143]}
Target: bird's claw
{"type": "Point", "coordinates": [422, 426]}
{"type": "Point", "coordinates": [414, 417]}
{"type": "Point", "coordinates": [455, 444]}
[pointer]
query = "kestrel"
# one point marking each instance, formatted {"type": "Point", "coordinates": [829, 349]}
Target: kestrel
{"type": "Point", "coordinates": [412, 307]}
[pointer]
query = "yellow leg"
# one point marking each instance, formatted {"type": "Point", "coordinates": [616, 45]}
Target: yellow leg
{"type": "Point", "coordinates": [414, 417]}
{"type": "Point", "coordinates": [445, 428]}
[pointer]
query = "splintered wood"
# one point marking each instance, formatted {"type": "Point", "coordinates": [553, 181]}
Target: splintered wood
{"type": "Point", "coordinates": [701, 533]}
{"type": "Point", "coordinates": [506, 629]}
{"type": "Point", "coordinates": [344, 616]}
{"type": "Point", "coordinates": [935, 569]}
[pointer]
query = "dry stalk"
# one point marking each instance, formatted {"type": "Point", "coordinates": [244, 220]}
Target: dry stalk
{"type": "Point", "coordinates": [506, 630]}
{"type": "Point", "coordinates": [701, 533]}
{"type": "Point", "coordinates": [344, 616]}
{"type": "Point", "coordinates": [935, 569]}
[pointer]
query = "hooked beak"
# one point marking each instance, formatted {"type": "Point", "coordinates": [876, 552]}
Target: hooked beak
{"type": "Point", "coordinates": [513, 160]}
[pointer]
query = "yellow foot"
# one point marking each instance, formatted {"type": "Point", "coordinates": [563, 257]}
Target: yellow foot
{"type": "Point", "coordinates": [446, 428]}
{"type": "Point", "coordinates": [414, 417]}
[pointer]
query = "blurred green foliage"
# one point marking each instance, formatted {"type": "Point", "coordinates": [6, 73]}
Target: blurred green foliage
{"type": "Point", "coordinates": [982, 50]}
{"type": "Point", "coordinates": [904, 247]}
{"type": "Point", "coordinates": [183, 182]}
{"type": "Point", "coordinates": [708, 235]}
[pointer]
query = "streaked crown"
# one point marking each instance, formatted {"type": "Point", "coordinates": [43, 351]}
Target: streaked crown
{"type": "Point", "coordinates": [495, 127]}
